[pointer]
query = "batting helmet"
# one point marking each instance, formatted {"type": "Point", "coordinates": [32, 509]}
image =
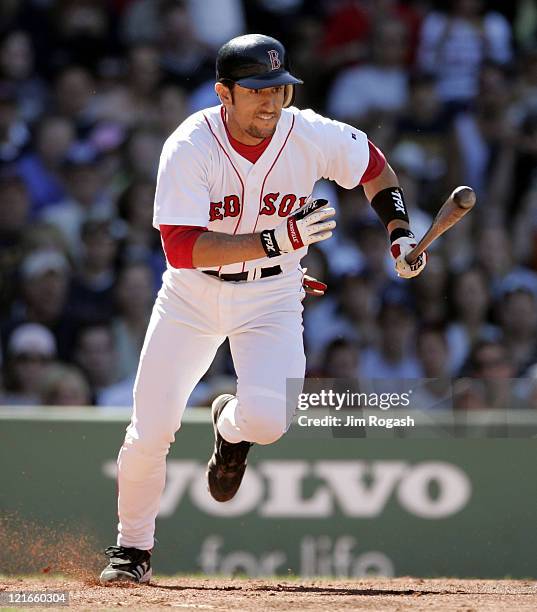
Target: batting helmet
{"type": "Point", "coordinates": [256, 61]}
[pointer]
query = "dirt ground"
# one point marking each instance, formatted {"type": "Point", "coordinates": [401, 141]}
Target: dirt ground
{"type": "Point", "coordinates": [201, 593]}
{"type": "Point", "coordinates": [34, 557]}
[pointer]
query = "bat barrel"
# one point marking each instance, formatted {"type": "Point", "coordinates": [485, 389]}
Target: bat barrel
{"type": "Point", "coordinates": [460, 202]}
{"type": "Point", "coordinates": [464, 196]}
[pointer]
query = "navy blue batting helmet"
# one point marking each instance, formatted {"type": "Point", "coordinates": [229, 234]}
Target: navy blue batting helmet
{"type": "Point", "coordinates": [255, 61]}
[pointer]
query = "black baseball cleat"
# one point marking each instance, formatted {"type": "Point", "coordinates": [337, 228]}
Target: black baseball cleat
{"type": "Point", "coordinates": [227, 465]}
{"type": "Point", "coordinates": [126, 565]}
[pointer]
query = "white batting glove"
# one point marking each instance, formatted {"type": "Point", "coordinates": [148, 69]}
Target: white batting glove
{"type": "Point", "coordinates": [399, 249]}
{"type": "Point", "coordinates": [306, 225]}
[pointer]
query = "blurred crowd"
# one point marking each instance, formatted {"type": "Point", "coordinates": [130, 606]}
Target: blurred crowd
{"type": "Point", "coordinates": [89, 91]}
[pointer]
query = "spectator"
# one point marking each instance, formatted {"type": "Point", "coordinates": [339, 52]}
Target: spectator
{"type": "Point", "coordinates": [348, 29]}
{"type": "Point", "coordinates": [95, 354]}
{"type": "Point", "coordinates": [73, 98]}
{"type": "Point", "coordinates": [44, 278]}
{"type": "Point", "coordinates": [141, 241]}
{"type": "Point", "coordinates": [91, 291]}
{"type": "Point", "coordinates": [484, 135]}
{"type": "Point", "coordinates": [172, 109]}
{"type": "Point", "coordinates": [343, 255]}
{"type": "Point", "coordinates": [433, 355]}
{"type": "Point", "coordinates": [492, 371]}
{"type": "Point", "coordinates": [345, 36]}
{"type": "Point", "coordinates": [430, 291]}
{"type": "Point", "coordinates": [140, 22]}
{"type": "Point", "coordinates": [30, 350]}
{"type": "Point", "coordinates": [216, 21]}
{"type": "Point", "coordinates": [118, 395]}
{"type": "Point", "coordinates": [526, 389]}
{"type": "Point", "coordinates": [17, 66]}
{"type": "Point", "coordinates": [134, 297]}
{"type": "Point", "coordinates": [383, 83]}
{"type": "Point", "coordinates": [370, 237]}
{"type": "Point", "coordinates": [65, 385]}
{"type": "Point", "coordinates": [14, 133]}
{"type": "Point", "coordinates": [184, 57]}
{"type": "Point", "coordinates": [81, 32]}
{"type": "Point", "coordinates": [393, 358]}
{"type": "Point", "coordinates": [351, 315]}
{"type": "Point", "coordinates": [433, 352]}
{"type": "Point", "coordinates": [525, 87]}
{"type": "Point", "coordinates": [144, 76]}
{"type": "Point", "coordinates": [40, 236]}
{"type": "Point", "coordinates": [489, 360]}
{"type": "Point", "coordinates": [524, 231]}
{"type": "Point", "coordinates": [409, 14]}
{"type": "Point", "coordinates": [522, 179]}
{"type": "Point", "coordinates": [142, 153]}
{"type": "Point", "coordinates": [518, 318]}
{"type": "Point", "coordinates": [135, 207]}
{"type": "Point", "coordinates": [85, 197]}
{"type": "Point", "coordinates": [14, 216]}
{"type": "Point", "coordinates": [525, 23]}
{"type": "Point", "coordinates": [108, 140]}
{"type": "Point", "coordinates": [133, 103]}
{"type": "Point", "coordinates": [494, 255]}
{"type": "Point", "coordinates": [426, 136]}
{"type": "Point", "coordinates": [454, 44]}
{"type": "Point", "coordinates": [471, 305]}
{"type": "Point", "coordinates": [340, 360]}
{"type": "Point", "coordinates": [41, 167]}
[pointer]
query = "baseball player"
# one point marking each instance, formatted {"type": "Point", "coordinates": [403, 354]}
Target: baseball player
{"type": "Point", "coordinates": [233, 209]}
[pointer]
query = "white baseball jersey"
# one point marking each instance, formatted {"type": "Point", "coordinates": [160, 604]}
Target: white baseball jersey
{"type": "Point", "coordinates": [202, 181]}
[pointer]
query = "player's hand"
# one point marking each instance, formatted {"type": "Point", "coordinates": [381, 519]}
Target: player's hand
{"type": "Point", "coordinates": [309, 224]}
{"type": "Point", "coordinates": [399, 249]}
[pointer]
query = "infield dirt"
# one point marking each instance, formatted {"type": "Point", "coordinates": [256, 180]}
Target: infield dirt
{"type": "Point", "coordinates": [199, 593]}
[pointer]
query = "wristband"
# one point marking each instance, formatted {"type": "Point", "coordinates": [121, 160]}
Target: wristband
{"type": "Point", "coordinates": [400, 232]}
{"type": "Point", "coordinates": [268, 241]}
{"type": "Point", "coordinates": [390, 205]}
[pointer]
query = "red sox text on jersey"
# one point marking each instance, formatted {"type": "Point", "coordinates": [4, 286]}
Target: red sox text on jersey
{"type": "Point", "coordinates": [272, 204]}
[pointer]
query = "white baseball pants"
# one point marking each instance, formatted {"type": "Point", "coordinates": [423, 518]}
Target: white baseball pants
{"type": "Point", "coordinates": [192, 316]}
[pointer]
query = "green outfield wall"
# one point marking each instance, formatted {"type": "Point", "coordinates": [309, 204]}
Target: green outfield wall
{"type": "Point", "coordinates": [450, 506]}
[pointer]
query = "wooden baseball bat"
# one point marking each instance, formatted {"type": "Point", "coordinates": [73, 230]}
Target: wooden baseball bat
{"type": "Point", "coordinates": [460, 202]}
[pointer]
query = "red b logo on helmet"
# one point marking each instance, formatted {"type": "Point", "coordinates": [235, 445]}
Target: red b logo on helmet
{"type": "Point", "coordinates": [274, 59]}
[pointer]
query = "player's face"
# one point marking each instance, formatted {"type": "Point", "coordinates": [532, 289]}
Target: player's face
{"type": "Point", "coordinates": [254, 113]}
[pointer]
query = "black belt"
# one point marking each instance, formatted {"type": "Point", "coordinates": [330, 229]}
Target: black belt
{"type": "Point", "coordinates": [243, 276]}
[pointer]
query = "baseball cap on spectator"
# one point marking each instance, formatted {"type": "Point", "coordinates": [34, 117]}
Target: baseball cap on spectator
{"type": "Point", "coordinates": [32, 338]}
{"type": "Point", "coordinates": [40, 262]}
{"type": "Point", "coordinates": [520, 279]}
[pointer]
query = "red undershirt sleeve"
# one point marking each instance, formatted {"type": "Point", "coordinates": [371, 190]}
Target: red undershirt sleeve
{"type": "Point", "coordinates": [376, 164]}
{"type": "Point", "coordinates": [178, 243]}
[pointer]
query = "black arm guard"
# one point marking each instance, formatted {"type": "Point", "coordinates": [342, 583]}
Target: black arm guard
{"type": "Point", "coordinates": [389, 205]}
